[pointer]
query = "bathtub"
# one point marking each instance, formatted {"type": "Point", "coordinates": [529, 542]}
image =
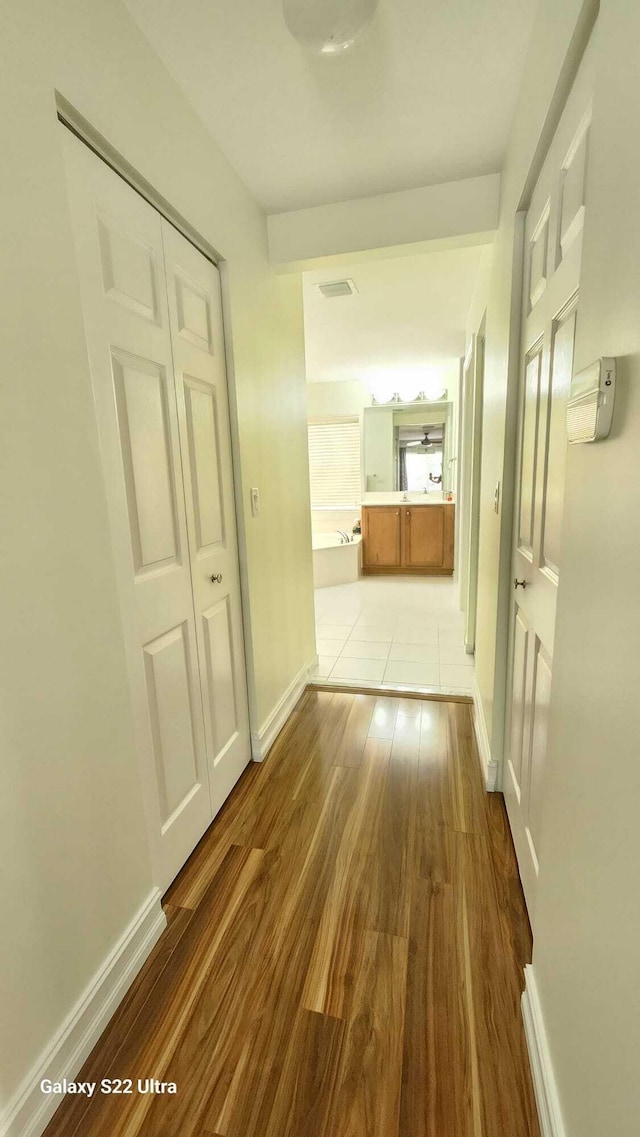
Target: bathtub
{"type": "Point", "coordinates": [333, 562]}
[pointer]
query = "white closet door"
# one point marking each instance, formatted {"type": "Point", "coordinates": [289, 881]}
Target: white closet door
{"type": "Point", "coordinates": [118, 239]}
{"type": "Point", "coordinates": [195, 312]}
{"type": "Point", "coordinates": [553, 245]}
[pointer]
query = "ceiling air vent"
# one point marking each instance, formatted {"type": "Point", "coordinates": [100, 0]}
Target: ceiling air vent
{"type": "Point", "coordinates": [331, 288]}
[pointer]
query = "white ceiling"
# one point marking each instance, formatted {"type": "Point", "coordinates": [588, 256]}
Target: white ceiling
{"type": "Point", "coordinates": [408, 316]}
{"type": "Point", "coordinates": [427, 96]}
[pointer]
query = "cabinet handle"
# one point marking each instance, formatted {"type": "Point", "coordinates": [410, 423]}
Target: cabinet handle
{"type": "Point", "coordinates": [408, 513]}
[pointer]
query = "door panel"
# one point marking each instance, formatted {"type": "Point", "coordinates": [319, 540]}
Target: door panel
{"type": "Point", "coordinates": [551, 277]}
{"type": "Point", "coordinates": [202, 444]}
{"type": "Point", "coordinates": [519, 699]}
{"type": "Point", "coordinates": [171, 713]}
{"type": "Point", "coordinates": [424, 536]}
{"type": "Point", "coordinates": [129, 268]}
{"type": "Point", "coordinates": [218, 639]}
{"type": "Point", "coordinates": [556, 441]}
{"type": "Point", "coordinates": [541, 696]}
{"type": "Point", "coordinates": [381, 536]}
{"type": "Point", "coordinates": [529, 453]}
{"type": "Point", "coordinates": [574, 169]}
{"type": "Point", "coordinates": [538, 258]}
{"type": "Point", "coordinates": [195, 311]}
{"type": "Point", "coordinates": [148, 458]}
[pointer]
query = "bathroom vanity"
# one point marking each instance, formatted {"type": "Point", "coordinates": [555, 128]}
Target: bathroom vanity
{"type": "Point", "coordinates": [414, 536]}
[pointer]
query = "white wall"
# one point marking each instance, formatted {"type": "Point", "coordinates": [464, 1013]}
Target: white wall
{"type": "Point", "coordinates": [468, 207]}
{"type": "Point", "coordinates": [72, 838]}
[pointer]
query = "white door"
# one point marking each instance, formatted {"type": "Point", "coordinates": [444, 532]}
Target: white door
{"type": "Point", "coordinates": [553, 244]}
{"type": "Point", "coordinates": [119, 247]}
{"type": "Point", "coordinates": [195, 313]}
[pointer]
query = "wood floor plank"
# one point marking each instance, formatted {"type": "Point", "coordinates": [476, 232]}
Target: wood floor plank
{"type": "Point", "coordinates": [367, 1099]}
{"type": "Point", "coordinates": [383, 720]}
{"type": "Point", "coordinates": [340, 940]}
{"type": "Point", "coordinates": [344, 949]}
{"type": "Point", "coordinates": [468, 792]}
{"type": "Point", "coordinates": [393, 855]}
{"type": "Point", "coordinates": [353, 737]}
{"type": "Point", "coordinates": [309, 1081]}
{"type": "Point", "coordinates": [513, 911]}
{"type": "Point", "coordinates": [434, 796]}
{"type": "Point", "coordinates": [437, 1082]}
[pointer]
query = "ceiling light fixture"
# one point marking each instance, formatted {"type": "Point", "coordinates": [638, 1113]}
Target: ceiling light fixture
{"type": "Point", "coordinates": [328, 27]}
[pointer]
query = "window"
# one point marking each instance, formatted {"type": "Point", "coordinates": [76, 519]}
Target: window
{"type": "Point", "coordinates": [334, 463]}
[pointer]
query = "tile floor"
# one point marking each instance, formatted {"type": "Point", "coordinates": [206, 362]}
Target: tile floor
{"type": "Point", "coordinates": [405, 633]}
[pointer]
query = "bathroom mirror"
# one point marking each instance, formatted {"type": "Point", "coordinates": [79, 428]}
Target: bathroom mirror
{"type": "Point", "coordinates": [419, 452]}
{"type": "Point", "coordinates": [408, 448]}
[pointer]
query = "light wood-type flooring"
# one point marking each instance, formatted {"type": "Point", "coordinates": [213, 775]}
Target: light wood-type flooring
{"type": "Point", "coordinates": [344, 951]}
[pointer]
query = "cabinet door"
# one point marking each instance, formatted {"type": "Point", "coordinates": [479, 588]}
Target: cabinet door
{"type": "Point", "coordinates": [381, 537]}
{"type": "Point", "coordinates": [425, 536]}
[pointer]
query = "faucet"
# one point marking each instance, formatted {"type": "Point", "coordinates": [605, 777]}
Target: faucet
{"type": "Point", "coordinates": [344, 537]}
{"type": "Point", "coordinates": [405, 496]}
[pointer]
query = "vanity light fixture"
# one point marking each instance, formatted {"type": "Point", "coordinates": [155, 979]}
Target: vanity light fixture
{"type": "Point", "coordinates": [328, 27]}
{"type": "Point", "coordinates": [380, 400]}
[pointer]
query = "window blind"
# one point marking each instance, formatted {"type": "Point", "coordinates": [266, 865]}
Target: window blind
{"type": "Point", "coordinates": [334, 463]}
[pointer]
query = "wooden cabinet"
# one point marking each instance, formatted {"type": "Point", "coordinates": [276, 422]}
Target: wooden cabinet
{"type": "Point", "coordinates": [381, 537]}
{"type": "Point", "coordinates": [408, 539]}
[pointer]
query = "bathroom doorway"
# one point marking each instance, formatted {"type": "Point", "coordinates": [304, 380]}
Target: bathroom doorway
{"type": "Point", "coordinates": [384, 352]}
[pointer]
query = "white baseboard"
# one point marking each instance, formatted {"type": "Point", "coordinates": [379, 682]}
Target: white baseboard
{"type": "Point", "coordinates": [29, 1111]}
{"type": "Point", "coordinates": [263, 739]}
{"type": "Point", "coordinates": [489, 764]}
{"type": "Point", "coordinates": [544, 1082]}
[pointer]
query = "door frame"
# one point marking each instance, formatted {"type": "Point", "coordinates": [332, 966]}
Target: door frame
{"type": "Point", "coordinates": [470, 449]}
{"type": "Point", "coordinates": [77, 124]}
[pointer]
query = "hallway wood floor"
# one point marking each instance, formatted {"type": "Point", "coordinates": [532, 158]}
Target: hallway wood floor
{"type": "Point", "coordinates": [344, 951]}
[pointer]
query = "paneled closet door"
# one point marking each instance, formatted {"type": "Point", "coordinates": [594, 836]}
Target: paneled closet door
{"type": "Point", "coordinates": [120, 254]}
{"type": "Point", "coordinates": [195, 312]}
{"type": "Point", "coordinates": [553, 246]}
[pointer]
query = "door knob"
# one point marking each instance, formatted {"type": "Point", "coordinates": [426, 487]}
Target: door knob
{"type": "Point", "coordinates": [216, 578]}
{"type": "Point", "coordinates": [519, 583]}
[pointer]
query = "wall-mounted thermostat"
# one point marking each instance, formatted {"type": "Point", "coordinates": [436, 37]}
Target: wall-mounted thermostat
{"type": "Point", "coordinates": [590, 403]}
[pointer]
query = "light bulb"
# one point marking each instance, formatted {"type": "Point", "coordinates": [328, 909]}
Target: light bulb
{"type": "Point", "coordinates": [433, 389]}
{"type": "Point", "coordinates": [328, 27]}
{"type": "Point", "coordinates": [408, 390]}
{"type": "Point", "coordinates": [381, 390]}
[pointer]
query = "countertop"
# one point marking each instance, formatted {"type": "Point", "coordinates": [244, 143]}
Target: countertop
{"type": "Point", "coordinates": [435, 498]}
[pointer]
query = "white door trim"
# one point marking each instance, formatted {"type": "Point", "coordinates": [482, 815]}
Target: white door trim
{"type": "Point", "coordinates": [487, 761]}
{"type": "Point", "coordinates": [82, 128]}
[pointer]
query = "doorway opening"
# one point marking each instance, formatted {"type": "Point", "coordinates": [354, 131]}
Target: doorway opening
{"type": "Point", "coordinates": [384, 385]}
